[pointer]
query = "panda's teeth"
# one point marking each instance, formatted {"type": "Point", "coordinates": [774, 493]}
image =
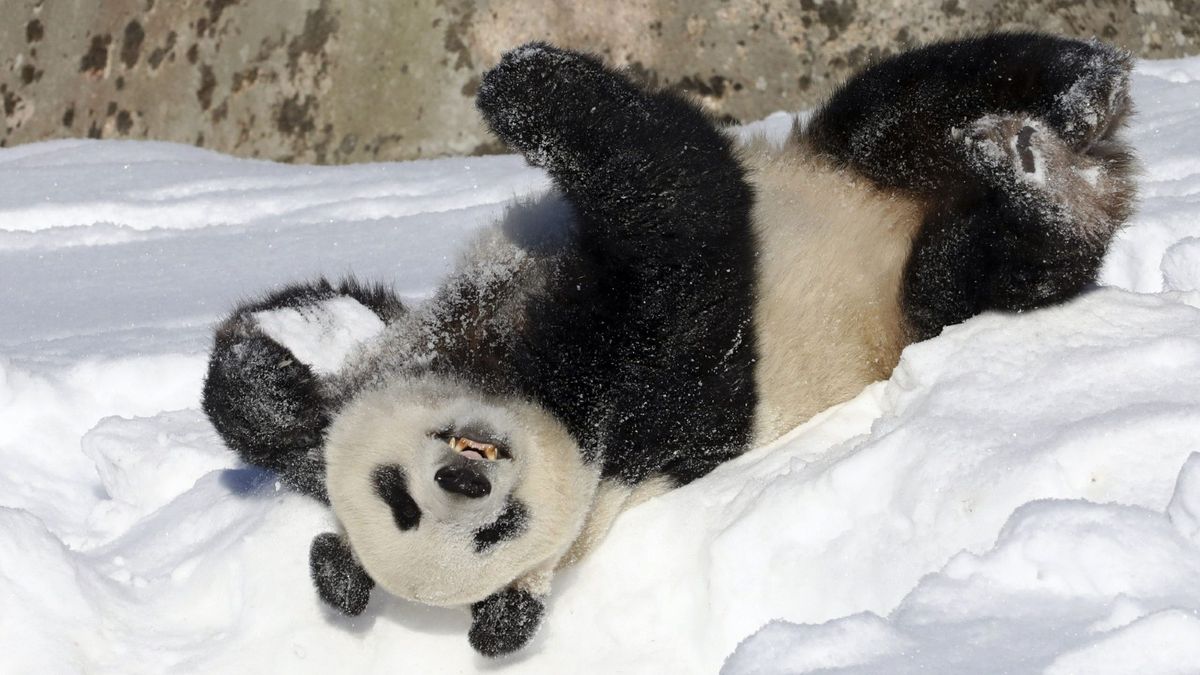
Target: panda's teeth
{"type": "Point", "coordinates": [476, 449]}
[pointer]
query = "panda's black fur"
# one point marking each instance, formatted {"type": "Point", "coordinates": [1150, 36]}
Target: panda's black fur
{"type": "Point", "coordinates": [644, 333]}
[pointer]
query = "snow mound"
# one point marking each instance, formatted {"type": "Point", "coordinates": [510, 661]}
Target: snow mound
{"type": "Point", "coordinates": [1021, 496]}
{"type": "Point", "coordinates": [1062, 591]}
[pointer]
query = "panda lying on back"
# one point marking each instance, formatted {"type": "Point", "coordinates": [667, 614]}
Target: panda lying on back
{"type": "Point", "coordinates": [675, 301]}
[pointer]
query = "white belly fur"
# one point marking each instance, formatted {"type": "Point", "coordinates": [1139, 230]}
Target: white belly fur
{"type": "Point", "coordinates": [832, 253]}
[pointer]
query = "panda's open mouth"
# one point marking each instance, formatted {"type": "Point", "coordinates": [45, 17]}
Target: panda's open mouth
{"type": "Point", "coordinates": [470, 448]}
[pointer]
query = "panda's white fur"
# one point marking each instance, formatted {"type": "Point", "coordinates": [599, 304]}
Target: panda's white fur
{"type": "Point", "coordinates": [832, 250]}
{"type": "Point", "coordinates": [437, 563]}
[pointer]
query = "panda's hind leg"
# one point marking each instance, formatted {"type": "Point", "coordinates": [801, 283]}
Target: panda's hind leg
{"type": "Point", "coordinates": [891, 122]}
{"type": "Point", "coordinates": [1085, 192]}
{"type": "Point", "coordinates": [1028, 226]}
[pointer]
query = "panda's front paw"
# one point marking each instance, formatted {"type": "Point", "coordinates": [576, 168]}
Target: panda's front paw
{"type": "Point", "coordinates": [539, 99]}
{"type": "Point", "coordinates": [340, 581]}
{"type": "Point", "coordinates": [517, 98]}
{"type": "Point", "coordinates": [1096, 104]}
{"type": "Point", "coordinates": [504, 622]}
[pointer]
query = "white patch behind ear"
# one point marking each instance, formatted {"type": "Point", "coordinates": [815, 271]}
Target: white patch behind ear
{"type": "Point", "coordinates": [323, 334]}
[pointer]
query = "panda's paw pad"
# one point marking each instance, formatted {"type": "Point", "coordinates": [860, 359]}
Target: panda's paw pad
{"type": "Point", "coordinates": [340, 581]}
{"type": "Point", "coordinates": [1026, 159]}
{"type": "Point", "coordinates": [1014, 151]}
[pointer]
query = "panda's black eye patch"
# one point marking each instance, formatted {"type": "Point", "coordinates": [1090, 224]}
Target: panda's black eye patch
{"type": "Point", "coordinates": [513, 520]}
{"type": "Point", "coordinates": [391, 485]}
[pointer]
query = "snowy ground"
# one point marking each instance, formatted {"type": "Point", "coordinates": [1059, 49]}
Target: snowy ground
{"type": "Point", "coordinates": [1017, 498]}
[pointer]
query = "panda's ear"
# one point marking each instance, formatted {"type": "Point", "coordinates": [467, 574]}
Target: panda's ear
{"type": "Point", "coordinates": [272, 359]}
{"type": "Point", "coordinates": [505, 621]}
{"type": "Point", "coordinates": [340, 581]}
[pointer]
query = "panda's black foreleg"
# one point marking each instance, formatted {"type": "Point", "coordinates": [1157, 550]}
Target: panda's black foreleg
{"type": "Point", "coordinates": [891, 122]}
{"type": "Point", "coordinates": [642, 168]}
{"type": "Point", "coordinates": [268, 407]}
{"type": "Point", "coordinates": [340, 581]}
{"type": "Point", "coordinates": [505, 621]}
{"type": "Point", "coordinates": [664, 217]}
{"type": "Point", "coordinates": [1029, 229]}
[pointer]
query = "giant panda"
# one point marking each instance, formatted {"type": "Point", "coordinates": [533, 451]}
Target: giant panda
{"type": "Point", "coordinates": [679, 297]}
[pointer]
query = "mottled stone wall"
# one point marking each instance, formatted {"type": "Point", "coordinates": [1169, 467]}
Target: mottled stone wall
{"type": "Point", "coordinates": [326, 81]}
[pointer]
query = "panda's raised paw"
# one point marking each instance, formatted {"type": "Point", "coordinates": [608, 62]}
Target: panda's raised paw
{"type": "Point", "coordinates": [543, 101]}
{"type": "Point", "coordinates": [505, 621]}
{"type": "Point", "coordinates": [340, 581]}
{"type": "Point", "coordinates": [1097, 102]}
{"type": "Point", "coordinates": [531, 76]}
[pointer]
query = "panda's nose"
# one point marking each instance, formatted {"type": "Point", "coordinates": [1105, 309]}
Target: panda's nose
{"type": "Point", "coordinates": [463, 479]}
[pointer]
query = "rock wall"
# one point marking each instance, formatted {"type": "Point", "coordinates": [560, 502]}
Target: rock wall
{"type": "Point", "coordinates": [330, 82]}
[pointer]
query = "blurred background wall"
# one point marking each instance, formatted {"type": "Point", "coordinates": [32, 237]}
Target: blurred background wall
{"type": "Point", "coordinates": [362, 80]}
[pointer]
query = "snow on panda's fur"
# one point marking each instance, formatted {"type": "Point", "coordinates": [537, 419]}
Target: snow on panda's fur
{"type": "Point", "coordinates": [678, 298]}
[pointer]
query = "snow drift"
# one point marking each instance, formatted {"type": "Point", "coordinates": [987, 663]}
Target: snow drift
{"type": "Point", "coordinates": [1020, 496]}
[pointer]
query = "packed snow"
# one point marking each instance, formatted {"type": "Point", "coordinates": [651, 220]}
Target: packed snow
{"type": "Point", "coordinates": [1021, 496]}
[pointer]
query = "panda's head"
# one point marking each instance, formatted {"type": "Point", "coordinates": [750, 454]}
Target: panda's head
{"type": "Point", "coordinates": [447, 495]}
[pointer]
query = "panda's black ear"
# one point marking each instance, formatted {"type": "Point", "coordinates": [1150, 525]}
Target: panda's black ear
{"type": "Point", "coordinates": [340, 581]}
{"type": "Point", "coordinates": [505, 621]}
{"type": "Point", "coordinates": [269, 405]}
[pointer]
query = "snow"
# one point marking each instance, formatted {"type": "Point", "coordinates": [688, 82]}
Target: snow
{"type": "Point", "coordinates": [1023, 495]}
{"type": "Point", "coordinates": [322, 335]}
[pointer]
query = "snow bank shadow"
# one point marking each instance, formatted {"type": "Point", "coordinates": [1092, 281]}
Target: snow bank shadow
{"type": "Point", "coordinates": [248, 481]}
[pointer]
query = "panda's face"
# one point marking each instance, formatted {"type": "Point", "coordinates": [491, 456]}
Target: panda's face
{"type": "Point", "coordinates": [447, 496]}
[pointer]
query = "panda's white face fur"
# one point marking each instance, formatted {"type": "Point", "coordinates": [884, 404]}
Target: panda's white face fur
{"type": "Point", "coordinates": [430, 517]}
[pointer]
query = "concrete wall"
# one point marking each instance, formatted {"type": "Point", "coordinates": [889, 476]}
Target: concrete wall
{"type": "Point", "coordinates": [351, 81]}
